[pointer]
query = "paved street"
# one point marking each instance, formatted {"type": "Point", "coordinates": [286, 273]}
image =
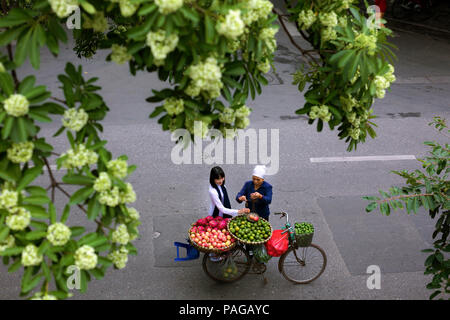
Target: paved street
{"type": "Point", "coordinates": [328, 194]}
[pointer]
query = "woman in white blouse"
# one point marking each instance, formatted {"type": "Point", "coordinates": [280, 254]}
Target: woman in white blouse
{"type": "Point", "coordinates": [220, 203]}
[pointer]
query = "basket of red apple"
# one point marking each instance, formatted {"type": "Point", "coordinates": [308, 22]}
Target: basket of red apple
{"type": "Point", "coordinates": [211, 235]}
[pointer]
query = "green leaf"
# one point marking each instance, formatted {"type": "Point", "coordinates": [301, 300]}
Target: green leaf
{"type": "Point", "coordinates": [93, 208]}
{"type": "Point", "coordinates": [21, 129]}
{"type": "Point", "coordinates": [29, 176]}
{"type": "Point", "coordinates": [15, 266]}
{"type": "Point", "coordinates": [78, 179]}
{"type": "Point", "coordinates": [146, 9]}
{"type": "Point", "coordinates": [209, 30]}
{"type": "Point", "coordinates": [30, 285]}
{"type": "Point", "coordinates": [10, 34]}
{"type": "Point", "coordinates": [371, 206]}
{"type": "Point", "coordinates": [52, 211]}
{"type": "Point", "coordinates": [81, 195]}
{"type": "Point", "coordinates": [35, 57]}
{"type": "Point", "coordinates": [15, 17]}
{"type": "Point", "coordinates": [37, 200]}
{"type": "Point", "coordinates": [4, 232]}
{"type": "Point", "coordinates": [22, 48]}
{"type": "Point", "coordinates": [34, 235]}
{"type": "Point", "coordinates": [11, 251]}
{"type": "Point", "coordinates": [235, 69]}
{"type": "Point", "coordinates": [77, 231]}
{"type": "Point", "coordinates": [7, 83]}
{"type": "Point", "coordinates": [65, 214]}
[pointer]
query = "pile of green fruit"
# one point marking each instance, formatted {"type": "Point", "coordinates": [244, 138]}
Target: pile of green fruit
{"type": "Point", "coordinates": [303, 228]}
{"type": "Point", "coordinates": [250, 231]}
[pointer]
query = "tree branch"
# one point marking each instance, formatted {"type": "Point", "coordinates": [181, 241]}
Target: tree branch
{"type": "Point", "coordinates": [291, 39]}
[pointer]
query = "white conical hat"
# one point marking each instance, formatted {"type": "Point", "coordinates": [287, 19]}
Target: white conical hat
{"type": "Point", "coordinates": [259, 171]}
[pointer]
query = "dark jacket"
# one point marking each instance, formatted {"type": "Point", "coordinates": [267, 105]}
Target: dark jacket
{"type": "Point", "coordinates": [261, 205]}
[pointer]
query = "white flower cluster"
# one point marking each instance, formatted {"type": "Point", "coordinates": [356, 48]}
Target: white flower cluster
{"type": "Point", "coordinates": [8, 199]}
{"type": "Point", "coordinates": [264, 66]}
{"type": "Point", "coordinates": [227, 116]}
{"type": "Point", "coordinates": [120, 54]}
{"type": "Point", "coordinates": [384, 82]}
{"type": "Point", "coordinates": [174, 106]}
{"type": "Point", "coordinates": [328, 19]}
{"type": "Point", "coordinates": [120, 235]}
{"type": "Point", "coordinates": [197, 127]}
{"type": "Point", "coordinates": [206, 77]}
{"type": "Point", "coordinates": [63, 8]}
{"type": "Point", "coordinates": [239, 117]}
{"type": "Point", "coordinates": [328, 34]}
{"type": "Point", "coordinates": [127, 8]}
{"type": "Point", "coordinates": [102, 183]}
{"type": "Point", "coordinates": [112, 196]}
{"type": "Point", "coordinates": [98, 22]}
{"type": "Point", "coordinates": [133, 214]}
{"type": "Point", "coordinates": [20, 152]}
{"type": "Point", "coordinates": [119, 257]}
{"type": "Point", "coordinates": [31, 256]}
{"type": "Point", "coordinates": [16, 105]}
{"type": "Point", "coordinates": [346, 4]}
{"type": "Point", "coordinates": [43, 296]}
{"type": "Point", "coordinates": [127, 196]}
{"type": "Point", "coordinates": [79, 157]}
{"type": "Point", "coordinates": [321, 112]}
{"type": "Point", "coordinates": [161, 44]}
{"type": "Point", "coordinates": [86, 258]}
{"type": "Point", "coordinates": [58, 234]}
{"type": "Point", "coordinates": [256, 10]}
{"type": "Point", "coordinates": [9, 242]}
{"type": "Point", "coordinates": [268, 36]}
{"type": "Point", "coordinates": [306, 18]}
{"type": "Point", "coordinates": [363, 41]}
{"type": "Point", "coordinates": [118, 168]}
{"type": "Point", "coordinates": [233, 26]}
{"type": "Point", "coordinates": [18, 219]}
{"type": "Point", "coordinates": [168, 6]}
{"type": "Point", "coordinates": [348, 103]}
{"type": "Point", "coordinates": [75, 119]}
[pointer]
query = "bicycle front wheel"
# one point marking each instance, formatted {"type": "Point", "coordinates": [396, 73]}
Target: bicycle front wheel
{"type": "Point", "coordinates": [232, 265]}
{"type": "Point", "coordinates": [303, 265]}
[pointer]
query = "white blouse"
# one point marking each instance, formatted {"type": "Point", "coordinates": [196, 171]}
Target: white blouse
{"type": "Point", "coordinates": [215, 202]}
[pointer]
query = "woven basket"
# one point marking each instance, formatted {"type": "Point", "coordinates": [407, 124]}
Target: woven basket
{"type": "Point", "coordinates": [245, 241]}
{"type": "Point", "coordinates": [304, 240]}
{"type": "Point", "coordinates": [208, 250]}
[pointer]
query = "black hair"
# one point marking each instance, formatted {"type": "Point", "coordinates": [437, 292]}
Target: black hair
{"type": "Point", "coordinates": [216, 173]}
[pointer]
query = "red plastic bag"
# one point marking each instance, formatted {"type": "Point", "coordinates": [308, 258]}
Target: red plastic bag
{"type": "Point", "coordinates": [278, 243]}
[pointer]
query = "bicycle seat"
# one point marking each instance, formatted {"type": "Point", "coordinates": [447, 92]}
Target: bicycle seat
{"type": "Point", "coordinates": [191, 252]}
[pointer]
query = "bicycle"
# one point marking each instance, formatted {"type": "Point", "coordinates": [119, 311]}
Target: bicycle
{"type": "Point", "coordinates": [293, 264]}
{"type": "Point", "coordinates": [418, 10]}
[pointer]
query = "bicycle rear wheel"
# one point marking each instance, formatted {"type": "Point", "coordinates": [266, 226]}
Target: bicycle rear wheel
{"type": "Point", "coordinates": [216, 270]}
{"type": "Point", "coordinates": [303, 265]}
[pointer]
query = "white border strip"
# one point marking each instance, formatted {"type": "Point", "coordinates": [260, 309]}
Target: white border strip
{"type": "Point", "coordinates": [362, 158]}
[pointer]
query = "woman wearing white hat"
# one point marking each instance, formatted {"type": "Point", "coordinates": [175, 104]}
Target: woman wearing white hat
{"type": "Point", "coordinates": [257, 192]}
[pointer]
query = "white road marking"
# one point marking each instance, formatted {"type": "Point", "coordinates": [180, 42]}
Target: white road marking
{"type": "Point", "coordinates": [363, 158]}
